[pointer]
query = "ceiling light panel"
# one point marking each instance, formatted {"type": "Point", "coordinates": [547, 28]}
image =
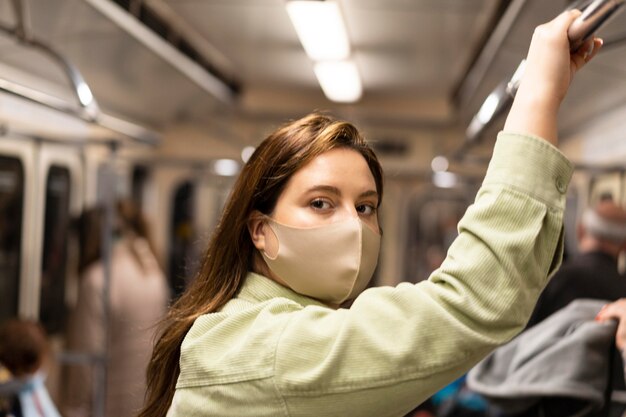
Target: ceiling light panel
{"type": "Point", "coordinates": [339, 80]}
{"type": "Point", "coordinates": [321, 29]}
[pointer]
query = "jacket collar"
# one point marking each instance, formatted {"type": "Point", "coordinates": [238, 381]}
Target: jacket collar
{"type": "Point", "coordinates": [258, 288]}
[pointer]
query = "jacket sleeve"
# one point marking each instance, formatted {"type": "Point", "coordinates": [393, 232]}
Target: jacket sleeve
{"type": "Point", "coordinates": [396, 346]}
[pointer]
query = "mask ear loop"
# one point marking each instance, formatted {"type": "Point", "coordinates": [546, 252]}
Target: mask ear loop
{"type": "Point", "coordinates": [274, 238]}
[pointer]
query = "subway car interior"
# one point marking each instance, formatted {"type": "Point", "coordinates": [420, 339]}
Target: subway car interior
{"type": "Point", "coordinates": [161, 102]}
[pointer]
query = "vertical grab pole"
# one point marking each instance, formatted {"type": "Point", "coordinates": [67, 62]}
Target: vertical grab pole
{"type": "Point", "coordinates": [109, 198]}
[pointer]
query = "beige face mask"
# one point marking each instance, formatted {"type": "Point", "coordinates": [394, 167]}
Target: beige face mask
{"type": "Point", "coordinates": [332, 263]}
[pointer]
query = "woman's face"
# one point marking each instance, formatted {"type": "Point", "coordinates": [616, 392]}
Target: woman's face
{"type": "Point", "coordinates": [335, 186]}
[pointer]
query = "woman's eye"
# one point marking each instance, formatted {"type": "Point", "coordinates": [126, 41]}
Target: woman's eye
{"type": "Point", "coordinates": [366, 209]}
{"type": "Point", "coordinates": [320, 204]}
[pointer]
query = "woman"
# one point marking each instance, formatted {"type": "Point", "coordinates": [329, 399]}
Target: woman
{"type": "Point", "coordinates": [138, 298]}
{"type": "Point", "coordinates": [258, 332]}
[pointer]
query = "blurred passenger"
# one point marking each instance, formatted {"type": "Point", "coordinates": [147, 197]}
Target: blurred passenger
{"type": "Point", "coordinates": [617, 311]}
{"type": "Point", "coordinates": [138, 299]}
{"type": "Point", "coordinates": [594, 272]}
{"type": "Point", "coordinates": [258, 332]}
{"type": "Point", "coordinates": [560, 367]}
{"type": "Point", "coordinates": [24, 355]}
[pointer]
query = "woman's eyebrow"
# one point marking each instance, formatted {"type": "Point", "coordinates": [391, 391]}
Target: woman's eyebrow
{"type": "Point", "coordinates": [334, 190]}
{"type": "Point", "coordinates": [327, 188]}
{"type": "Point", "coordinates": [369, 193]}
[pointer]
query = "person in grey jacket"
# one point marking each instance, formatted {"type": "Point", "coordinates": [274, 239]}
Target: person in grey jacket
{"type": "Point", "coordinates": [560, 367]}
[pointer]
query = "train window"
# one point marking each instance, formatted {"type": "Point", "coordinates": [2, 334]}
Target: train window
{"type": "Point", "coordinates": [570, 222]}
{"type": "Point", "coordinates": [140, 178]}
{"type": "Point", "coordinates": [182, 237]}
{"type": "Point", "coordinates": [11, 204]}
{"type": "Point", "coordinates": [622, 181]}
{"type": "Point", "coordinates": [220, 196]}
{"type": "Point", "coordinates": [605, 187]}
{"type": "Point", "coordinates": [432, 228]}
{"type": "Point", "coordinates": [57, 219]}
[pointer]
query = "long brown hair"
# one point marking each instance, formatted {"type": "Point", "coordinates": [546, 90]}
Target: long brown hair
{"type": "Point", "coordinates": [230, 252]}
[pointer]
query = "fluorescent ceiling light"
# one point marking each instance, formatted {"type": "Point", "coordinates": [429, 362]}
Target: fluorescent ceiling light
{"type": "Point", "coordinates": [246, 153]}
{"type": "Point", "coordinates": [445, 179]}
{"type": "Point", "coordinates": [489, 107]}
{"type": "Point", "coordinates": [439, 164]}
{"type": "Point", "coordinates": [492, 107]}
{"type": "Point", "coordinates": [226, 167]}
{"type": "Point", "coordinates": [339, 80]}
{"type": "Point", "coordinates": [321, 30]}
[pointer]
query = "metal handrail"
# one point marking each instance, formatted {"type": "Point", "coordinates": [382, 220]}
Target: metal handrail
{"type": "Point", "coordinates": [135, 132]}
{"type": "Point", "coordinates": [89, 109]}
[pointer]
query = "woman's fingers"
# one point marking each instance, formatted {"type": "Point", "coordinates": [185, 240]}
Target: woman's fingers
{"type": "Point", "coordinates": [586, 53]}
{"type": "Point", "coordinates": [551, 37]}
{"type": "Point", "coordinates": [549, 62]}
{"type": "Point", "coordinates": [597, 45]}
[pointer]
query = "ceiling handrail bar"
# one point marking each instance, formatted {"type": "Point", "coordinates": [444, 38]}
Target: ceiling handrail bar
{"type": "Point", "coordinates": [89, 108]}
{"type": "Point", "coordinates": [128, 129]}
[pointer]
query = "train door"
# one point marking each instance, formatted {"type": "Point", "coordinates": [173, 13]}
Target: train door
{"type": "Point", "coordinates": [570, 221]}
{"type": "Point", "coordinates": [433, 219]}
{"type": "Point", "coordinates": [140, 190]}
{"type": "Point", "coordinates": [60, 175]}
{"type": "Point", "coordinates": [213, 192]}
{"type": "Point", "coordinates": [11, 204]}
{"type": "Point", "coordinates": [210, 192]}
{"type": "Point", "coordinates": [183, 234]}
{"type": "Point", "coordinates": [196, 207]}
{"type": "Point", "coordinates": [189, 200]}
{"type": "Point", "coordinates": [608, 185]}
{"type": "Point", "coordinates": [174, 198]}
{"type": "Point", "coordinates": [17, 206]}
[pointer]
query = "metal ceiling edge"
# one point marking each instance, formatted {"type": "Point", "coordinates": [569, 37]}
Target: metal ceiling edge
{"type": "Point", "coordinates": [116, 125]}
{"type": "Point", "coordinates": [191, 34]}
{"type": "Point", "coordinates": [132, 130]}
{"type": "Point", "coordinates": [205, 80]}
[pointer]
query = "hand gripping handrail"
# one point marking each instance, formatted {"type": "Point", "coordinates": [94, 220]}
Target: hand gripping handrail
{"type": "Point", "coordinates": [595, 13]}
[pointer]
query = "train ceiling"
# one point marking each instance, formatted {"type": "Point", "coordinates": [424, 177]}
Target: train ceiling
{"type": "Point", "coordinates": [422, 62]}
